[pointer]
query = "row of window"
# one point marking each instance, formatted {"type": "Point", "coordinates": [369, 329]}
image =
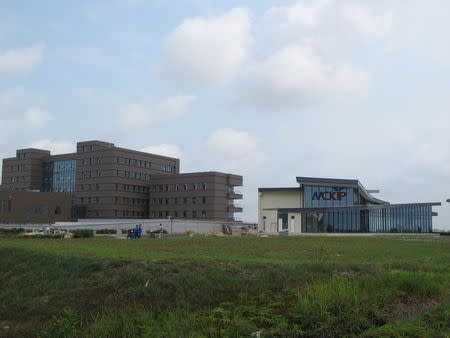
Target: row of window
{"type": "Point", "coordinates": [176, 200]}
{"type": "Point", "coordinates": [5, 207]}
{"type": "Point", "coordinates": [169, 168]}
{"type": "Point", "coordinates": [88, 174]}
{"type": "Point", "coordinates": [18, 179]}
{"type": "Point", "coordinates": [185, 214]}
{"type": "Point", "coordinates": [117, 213]}
{"type": "Point", "coordinates": [178, 187]}
{"type": "Point", "coordinates": [136, 175]}
{"type": "Point", "coordinates": [86, 148]}
{"type": "Point", "coordinates": [133, 162]}
{"type": "Point", "coordinates": [41, 210]}
{"type": "Point", "coordinates": [23, 156]}
{"type": "Point", "coordinates": [91, 160]}
{"type": "Point", "coordinates": [19, 167]}
{"type": "Point", "coordinates": [123, 200]}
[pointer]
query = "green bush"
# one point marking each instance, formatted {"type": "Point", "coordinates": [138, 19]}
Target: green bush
{"type": "Point", "coordinates": [63, 326]}
{"type": "Point", "coordinates": [11, 231]}
{"type": "Point", "coordinates": [82, 233]}
{"type": "Point", "coordinates": [107, 231]}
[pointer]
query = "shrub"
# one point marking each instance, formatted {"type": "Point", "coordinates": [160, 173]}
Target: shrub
{"type": "Point", "coordinates": [82, 233]}
{"type": "Point", "coordinates": [63, 326]}
{"type": "Point", "coordinates": [107, 231]}
{"type": "Point", "coordinates": [11, 231]}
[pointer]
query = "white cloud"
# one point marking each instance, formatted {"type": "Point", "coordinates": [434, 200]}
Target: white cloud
{"type": "Point", "coordinates": [365, 21]}
{"type": "Point", "coordinates": [236, 152]}
{"type": "Point", "coordinates": [13, 101]}
{"type": "Point", "coordinates": [18, 61]}
{"type": "Point", "coordinates": [295, 77]}
{"type": "Point", "coordinates": [169, 150]}
{"type": "Point", "coordinates": [422, 29]}
{"type": "Point", "coordinates": [306, 14]}
{"type": "Point", "coordinates": [36, 117]}
{"type": "Point", "coordinates": [55, 147]}
{"type": "Point", "coordinates": [141, 113]}
{"type": "Point", "coordinates": [208, 51]}
{"type": "Point", "coordinates": [231, 150]}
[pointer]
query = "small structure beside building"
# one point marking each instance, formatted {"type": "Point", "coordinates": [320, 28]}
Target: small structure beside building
{"type": "Point", "coordinates": [323, 205]}
{"type": "Point", "coordinates": [34, 207]}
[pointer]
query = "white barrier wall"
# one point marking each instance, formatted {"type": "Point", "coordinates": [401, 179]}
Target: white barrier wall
{"type": "Point", "coordinates": [171, 226]}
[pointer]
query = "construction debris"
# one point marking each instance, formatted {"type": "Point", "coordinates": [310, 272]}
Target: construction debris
{"type": "Point", "coordinates": [50, 232]}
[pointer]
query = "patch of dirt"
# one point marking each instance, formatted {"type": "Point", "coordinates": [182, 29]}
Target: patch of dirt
{"type": "Point", "coordinates": [407, 311]}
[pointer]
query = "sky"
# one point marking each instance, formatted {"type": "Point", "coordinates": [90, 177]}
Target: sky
{"type": "Point", "coordinates": [268, 90]}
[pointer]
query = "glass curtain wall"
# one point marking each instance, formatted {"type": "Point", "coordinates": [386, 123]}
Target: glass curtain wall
{"type": "Point", "coordinates": [411, 218]}
{"type": "Point", "coordinates": [59, 176]}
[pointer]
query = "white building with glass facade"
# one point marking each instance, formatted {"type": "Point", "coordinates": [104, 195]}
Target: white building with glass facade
{"type": "Point", "coordinates": [324, 205]}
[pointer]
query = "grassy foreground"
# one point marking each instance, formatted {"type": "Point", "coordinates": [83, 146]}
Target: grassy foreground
{"type": "Point", "coordinates": [225, 287]}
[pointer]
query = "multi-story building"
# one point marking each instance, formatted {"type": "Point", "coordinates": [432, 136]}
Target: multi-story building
{"type": "Point", "coordinates": [336, 205]}
{"type": "Point", "coordinates": [111, 182]}
{"type": "Point", "coordinates": [205, 195]}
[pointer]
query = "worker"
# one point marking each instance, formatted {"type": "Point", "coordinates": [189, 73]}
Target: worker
{"type": "Point", "coordinates": [136, 231]}
{"type": "Point", "coordinates": [140, 231]}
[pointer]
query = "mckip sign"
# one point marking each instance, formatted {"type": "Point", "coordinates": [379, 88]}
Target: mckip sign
{"type": "Point", "coordinates": [336, 195]}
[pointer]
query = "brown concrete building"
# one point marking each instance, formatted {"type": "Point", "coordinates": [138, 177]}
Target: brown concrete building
{"type": "Point", "coordinates": [111, 182]}
{"type": "Point", "coordinates": [205, 195]}
{"type": "Point", "coordinates": [34, 207]}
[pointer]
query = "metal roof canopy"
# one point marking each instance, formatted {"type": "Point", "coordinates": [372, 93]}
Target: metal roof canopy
{"type": "Point", "coordinates": [353, 207]}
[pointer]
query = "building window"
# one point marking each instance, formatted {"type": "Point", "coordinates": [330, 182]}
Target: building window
{"type": "Point", "coordinates": [167, 201]}
{"type": "Point", "coordinates": [92, 148]}
{"type": "Point", "coordinates": [29, 209]}
{"type": "Point", "coordinates": [184, 200]}
{"type": "Point", "coordinates": [176, 187]}
{"type": "Point", "coordinates": [175, 213]}
{"type": "Point", "coordinates": [194, 213]}
{"type": "Point", "coordinates": [175, 200]}
{"type": "Point", "coordinates": [99, 160]}
{"type": "Point", "coordinates": [57, 210]}
{"type": "Point", "coordinates": [185, 214]}
{"type": "Point", "coordinates": [167, 187]}
{"type": "Point", "coordinates": [82, 200]}
{"type": "Point", "coordinates": [160, 201]}
{"type": "Point", "coordinates": [186, 187]}
{"type": "Point", "coordinates": [97, 186]}
{"type": "Point", "coordinates": [96, 200]}
{"type": "Point", "coordinates": [203, 200]}
{"type": "Point", "coordinates": [204, 186]}
{"type": "Point", "coordinates": [160, 214]}
{"type": "Point", "coordinates": [194, 200]}
{"type": "Point", "coordinates": [84, 149]}
{"type": "Point", "coordinates": [195, 186]}
{"type": "Point", "coordinates": [167, 214]}
{"type": "Point", "coordinates": [89, 186]}
{"type": "Point", "coordinates": [203, 213]}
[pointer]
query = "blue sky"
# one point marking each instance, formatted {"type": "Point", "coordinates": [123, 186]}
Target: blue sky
{"type": "Point", "coordinates": [269, 90]}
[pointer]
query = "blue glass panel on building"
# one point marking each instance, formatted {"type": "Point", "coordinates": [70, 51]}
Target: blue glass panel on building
{"type": "Point", "coordinates": [328, 196]}
{"type": "Point", "coordinates": [59, 176]}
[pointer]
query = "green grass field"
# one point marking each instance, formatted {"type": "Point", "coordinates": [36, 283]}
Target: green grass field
{"type": "Point", "coordinates": [226, 287]}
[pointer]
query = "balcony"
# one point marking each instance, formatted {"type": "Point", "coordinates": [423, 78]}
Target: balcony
{"type": "Point", "coordinates": [234, 208]}
{"type": "Point", "coordinates": [234, 195]}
